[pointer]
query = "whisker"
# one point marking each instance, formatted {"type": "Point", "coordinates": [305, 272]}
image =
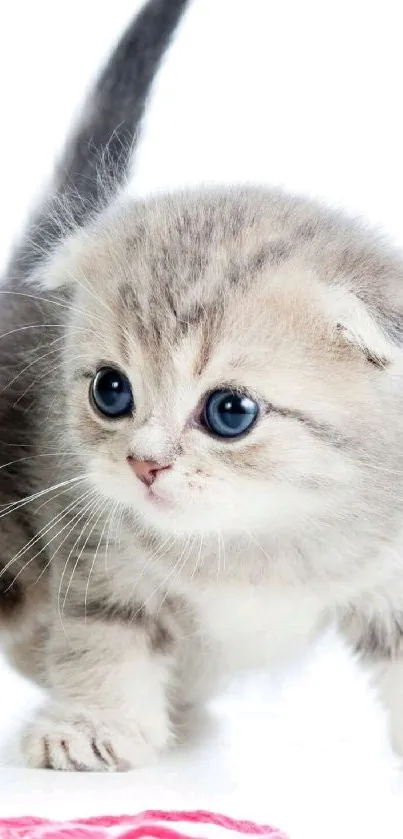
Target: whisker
{"type": "Point", "coordinates": [156, 555]}
{"type": "Point", "coordinates": [88, 508]}
{"type": "Point", "coordinates": [54, 554]}
{"type": "Point", "coordinates": [43, 376]}
{"type": "Point", "coordinates": [16, 505]}
{"type": "Point", "coordinates": [29, 326]}
{"type": "Point", "coordinates": [198, 558]}
{"type": "Point", "coordinates": [94, 560]}
{"type": "Point", "coordinates": [85, 285]}
{"type": "Point", "coordinates": [118, 530]}
{"type": "Point", "coordinates": [32, 364]}
{"type": "Point", "coordinates": [49, 500]}
{"type": "Point", "coordinates": [160, 585]}
{"type": "Point", "coordinates": [76, 518]}
{"type": "Point", "coordinates": [101, 504]}
{"type": "Point", "coordinates": [33, 457]}
{"type": "Point", "coordinates": [38, 536]}
{"type": "Point", "coordinates": [185, 556]}
{"type": "Point", "coordinates": [112, 517]}
{"type": "Point", "coordinates": [68, 306]}
{"type": "Point", "coordinates": [62, 529]}
{"type": "Point", "coordinates": [257, 543]}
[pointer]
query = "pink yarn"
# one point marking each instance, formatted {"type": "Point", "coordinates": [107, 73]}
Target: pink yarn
{"type": "Point", "coordinates": [152, 824]}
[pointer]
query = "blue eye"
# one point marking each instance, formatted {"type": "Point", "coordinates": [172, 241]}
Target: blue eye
{"type": "Point", "coordinates": [229, 414]}
{"type": "Point", "coordinates": [111, 393]}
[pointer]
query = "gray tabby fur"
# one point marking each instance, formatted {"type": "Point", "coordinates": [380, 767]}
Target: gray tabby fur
{"type": "Point", "coordinates": [134, 604]}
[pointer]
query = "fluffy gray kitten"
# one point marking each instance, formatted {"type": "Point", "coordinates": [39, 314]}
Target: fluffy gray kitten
{"type": "Point", "coordinates": [201, 431]}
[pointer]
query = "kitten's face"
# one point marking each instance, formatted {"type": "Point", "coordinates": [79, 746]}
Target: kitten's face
{"type": "Point", "coordinates": [190, 349]}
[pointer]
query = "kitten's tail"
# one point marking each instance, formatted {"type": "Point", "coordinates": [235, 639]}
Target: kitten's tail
{"type": "Point", "coordinates": [97, 157]}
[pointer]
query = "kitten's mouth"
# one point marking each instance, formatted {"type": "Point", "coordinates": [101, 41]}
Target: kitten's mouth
{"type": "Point", "coordinates": [156, 500]}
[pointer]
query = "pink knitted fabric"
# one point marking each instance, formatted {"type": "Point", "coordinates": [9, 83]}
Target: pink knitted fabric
{"type": "Point", "coordinates": [152, 824]}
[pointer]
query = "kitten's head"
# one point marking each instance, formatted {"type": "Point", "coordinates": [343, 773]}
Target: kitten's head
{"type": "Point", "coordinates": [228, 364]}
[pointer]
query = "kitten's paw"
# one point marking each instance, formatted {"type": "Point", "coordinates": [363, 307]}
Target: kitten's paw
{"type": "Point", "coordinates": [76, 740]}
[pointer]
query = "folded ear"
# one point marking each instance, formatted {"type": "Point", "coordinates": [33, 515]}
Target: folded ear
{"type": "Point", "coordinates": [61, 271]}
{"type": "Point", "coordinates": [363, 328]}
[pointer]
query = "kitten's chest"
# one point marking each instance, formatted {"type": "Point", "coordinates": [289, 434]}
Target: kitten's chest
{"type": "Point", "coordinates": [252, 626]}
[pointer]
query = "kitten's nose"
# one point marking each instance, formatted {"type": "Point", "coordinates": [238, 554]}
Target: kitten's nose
{"type": "Point", "coordinates": [146, 470]}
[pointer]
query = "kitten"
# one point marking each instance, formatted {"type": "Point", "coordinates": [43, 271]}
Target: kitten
{"type": "Point", "coordinates": [202, 461]}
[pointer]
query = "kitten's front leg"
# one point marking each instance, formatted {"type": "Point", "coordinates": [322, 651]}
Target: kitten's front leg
{"type": "Point", "coordinates": [108, 707]}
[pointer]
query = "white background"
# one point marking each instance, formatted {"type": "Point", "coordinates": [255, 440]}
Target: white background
{"type": "Point", "coordinates": [306, 94]}
{"type": "Point", "coordinates": [303, 94]}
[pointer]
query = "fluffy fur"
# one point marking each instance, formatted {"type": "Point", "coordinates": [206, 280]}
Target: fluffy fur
{"type": "Point", "coordinates": [148, 598]}
{"type": "Point", "coordinates": [134, 604]}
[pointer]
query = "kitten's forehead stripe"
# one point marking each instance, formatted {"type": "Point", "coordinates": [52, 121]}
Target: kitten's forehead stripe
{"type": "Point", "coordinates": [318, 429]}
{"type": "Point", "coordinates": [127, 310]}
{"type": "Point", "coordinates": [270, 255]}
{"type": "Point", "coordinates": [203, 355]}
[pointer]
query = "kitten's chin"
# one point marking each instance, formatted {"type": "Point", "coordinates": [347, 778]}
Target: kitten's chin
{"type": "Point", "coordinates": [163, 514]}
{"type": "Point", "coordinates": [158, 501]}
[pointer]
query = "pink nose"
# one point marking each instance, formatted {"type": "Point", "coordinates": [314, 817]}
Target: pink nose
{"type": "Point", "coordinates": [146, 470]}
